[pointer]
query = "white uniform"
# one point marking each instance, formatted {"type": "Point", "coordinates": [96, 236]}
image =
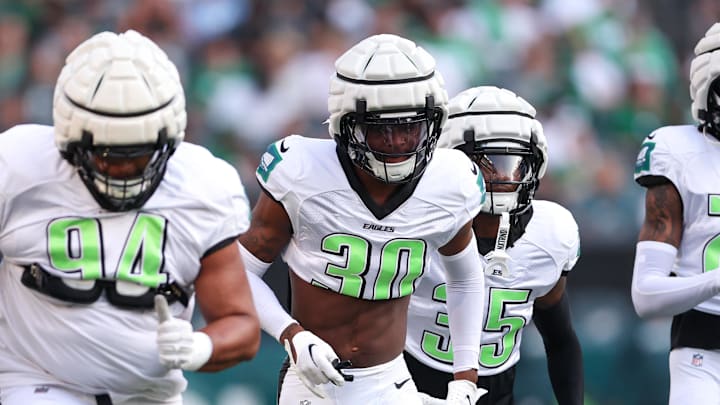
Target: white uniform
{"type": "Point", "coordinates": [48, 217]}
{"type": "Point", "coordinates": [351, 246]}
{"type": "Point", "coordinates": [344, 242]}
{"type": "Point", "coordinates": [549, 247]}
{"type": "Point", "coordinates": [689, 160]}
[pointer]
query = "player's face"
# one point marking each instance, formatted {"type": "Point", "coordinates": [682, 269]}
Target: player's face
{"type": "Point", "coordinates": [121, 167]}
{"type": "Point", "coordinates": [501, 170]}
{"type": "Point", "coordinates": [393, 139]}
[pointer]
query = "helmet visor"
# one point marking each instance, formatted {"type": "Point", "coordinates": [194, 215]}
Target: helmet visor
{"type": "Point", "coordinates": [503, 173]}
{"type": "Point", "coordinates": [393, 140]}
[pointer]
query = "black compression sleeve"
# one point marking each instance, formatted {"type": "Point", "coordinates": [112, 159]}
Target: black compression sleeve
{"type": "Point", "coordinates": [564, 355]}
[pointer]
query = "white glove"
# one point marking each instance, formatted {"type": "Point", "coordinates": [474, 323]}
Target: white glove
{"type": "Point", "coordinates": [314, 364]}
{"type": "Point", "coordinates": [460, 392]}
{"type": "Point", "coordinates": [178, 345]}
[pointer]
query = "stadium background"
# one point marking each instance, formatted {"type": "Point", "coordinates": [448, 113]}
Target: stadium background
{"type": "Point", "coordinates": [602, 74]}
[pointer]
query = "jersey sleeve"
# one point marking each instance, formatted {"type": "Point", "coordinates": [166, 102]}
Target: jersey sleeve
{"type": "Point", "coordinates": [472, 187]}
{"type": "Point", "coordinates": [280, 166]}
{"type": "Point", "coordinates": [655, 158]}
{"type": "Point", "coordinates": [232, 209]}
{"type": "Point", "coordinates": [568, 236]}
{"type": "Point", "coordinates": [15, 145]}
{"type": "Point", "coordinates": [573, 247]}
{"type": "Point", "coordinates": [4, 173]}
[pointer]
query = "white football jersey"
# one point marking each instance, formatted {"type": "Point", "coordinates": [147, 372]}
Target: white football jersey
{"type": "Point", "coordinates": [342, 241]}
{"type": "Point", "coordinates": [48, 217]}
{"type": "Point", "coordinates": [549, 247]}
{"type": "Point", "coordinates": [689, 159]}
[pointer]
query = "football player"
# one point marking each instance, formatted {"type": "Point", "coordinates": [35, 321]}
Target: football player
{"type": "Point", "coordinates": [111, 228]}
{"type": "Point", "coordinates": [678, 251]}
{"type": "Point", "coordinates": [530, 246]}
{"type": "Point", "coordinates": [356, 219]}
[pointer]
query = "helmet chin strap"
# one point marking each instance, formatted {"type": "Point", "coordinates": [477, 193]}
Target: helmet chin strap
{"type": "Point", "coordinates": [498, 258]}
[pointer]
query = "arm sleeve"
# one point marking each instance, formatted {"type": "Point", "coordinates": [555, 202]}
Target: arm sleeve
{"type": "Point", "coordinates": [564, 355]}
{"type": "Point", "coordinates": [656, 293]}
{"type": "Point", "coordinates": [465, 300]}
{"type": "Point", "coordinates": [273, 317]}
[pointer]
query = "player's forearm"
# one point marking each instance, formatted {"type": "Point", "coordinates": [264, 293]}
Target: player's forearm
{"type": "Point", "coordinates": [656, 293]}
{"type": "Point", "coordinates": [465, 300]}
{"type": "Point", "coordinates": [564, 355]}
{"type": "Point", "coordinates": [566, 373]}
{"type": "Point", "coordinates": [234, 339]}
{"type": "Point", "coordinates": [273, 317]}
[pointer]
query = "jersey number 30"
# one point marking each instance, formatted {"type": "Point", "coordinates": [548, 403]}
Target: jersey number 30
{"type": "Point", "coordinates": [356, 251]}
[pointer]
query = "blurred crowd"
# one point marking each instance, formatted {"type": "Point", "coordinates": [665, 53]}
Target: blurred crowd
{"type": "Point", "coordinates": [602, 73]}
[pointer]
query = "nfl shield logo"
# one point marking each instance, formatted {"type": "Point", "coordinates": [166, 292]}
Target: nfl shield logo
{"type": "Point", "coordinates": [697, 360]}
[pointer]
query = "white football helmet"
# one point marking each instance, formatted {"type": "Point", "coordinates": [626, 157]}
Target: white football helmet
{"type": "Point", "coordinates": [387, 83]}
{"type": "Point", "coordinates": [704, 86]}
{"type": "Point", "coordinates": [119, 97]}
{"type": "Point", "coordinates": [497, 129]}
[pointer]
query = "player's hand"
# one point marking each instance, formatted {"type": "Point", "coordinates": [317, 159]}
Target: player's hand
{"type": "Point", "coordinates": [460, 392]}
{"type": "Point", "coordinates": [178, 345]}
{"type": "Point", "coordinates": [463, 392]}
{"type": "Point", "coordinates": [314, 361]}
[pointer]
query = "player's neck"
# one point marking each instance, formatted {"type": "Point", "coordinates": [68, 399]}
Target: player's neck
{"type": "Point", "coordinates": [486, 225]}
{"type": "Point", "coordinates": [379, 191]}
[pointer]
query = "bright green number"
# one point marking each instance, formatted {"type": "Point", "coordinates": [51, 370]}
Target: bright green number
{"type": "Point", "coordinates": [711, 252]}
{"type": "Point", "coordinates": [494, 355]}
{"type": "Point", "coordinates": [356, 252]}
{"type": "Point", "coordinates": [142, 257]}
{"type": "Point", "coordinates": [436, 345]}
{"type": "Point", "coordinates": [491, 355]}
{"type": "Point", "coordinates": [75, 245]}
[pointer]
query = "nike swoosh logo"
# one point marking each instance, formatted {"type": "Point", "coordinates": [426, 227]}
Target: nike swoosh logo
{"type": "Point", "coordinates": [474, 169]}
{"type": "Point", "coordinates": [283, 148]}
{"type": "Point", "coordinates": [469, 400]}
{"type": "Point", "coordinates": [401, 383]}
{"type": "Point", "coordinates": [651, 136]}
{"type": "Point", "coordinates": [310, 351]}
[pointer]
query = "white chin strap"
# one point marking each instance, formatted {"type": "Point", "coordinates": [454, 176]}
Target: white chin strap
{"type": "Point", "coordinates": [119, 188]}
{"type": "Point", "coordinates": [497, 203]}
{"type": "Point", "coordinates": [391, 172]}
{"type": "Point", "coordinates": [498, 259]}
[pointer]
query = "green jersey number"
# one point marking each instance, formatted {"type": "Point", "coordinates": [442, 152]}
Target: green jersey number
{"type": "Point", "coordinates": [711, 252]}
{"type": "Point", "coordinates": [75, 245]}
{"type": "Point", "coordinates": [492, 355]}
{"type": "Point", "coordinates": [400, 259]}
{"type": "Point", "coordinates": [495, 354]}
{"type": "Point", "coordinates": [643, 159]}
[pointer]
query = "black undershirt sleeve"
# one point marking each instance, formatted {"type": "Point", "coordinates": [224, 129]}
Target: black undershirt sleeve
{"type": "Point", "coordinates": [564, 355]}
